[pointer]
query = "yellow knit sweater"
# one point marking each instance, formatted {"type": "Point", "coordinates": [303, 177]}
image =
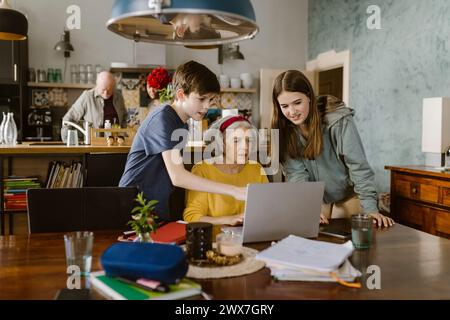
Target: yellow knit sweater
{"type": "Point", "coordinates": [200, 204]}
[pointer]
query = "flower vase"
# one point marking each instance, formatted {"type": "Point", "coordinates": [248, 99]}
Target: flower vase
{"type": "Point", "coordinates": [144, 238]}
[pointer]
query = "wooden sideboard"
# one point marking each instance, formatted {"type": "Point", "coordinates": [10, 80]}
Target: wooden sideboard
{"type": "Point", "coordinates": [420, 198]}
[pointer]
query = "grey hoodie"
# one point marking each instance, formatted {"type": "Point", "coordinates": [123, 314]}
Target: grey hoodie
{"type": "Point", "coordinates": [342, 165]}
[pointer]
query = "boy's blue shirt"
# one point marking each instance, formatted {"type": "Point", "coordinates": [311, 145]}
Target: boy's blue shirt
{"type": "Point", "coordinates": [145, 166]}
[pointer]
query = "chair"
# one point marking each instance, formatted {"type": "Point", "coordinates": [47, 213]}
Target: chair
{"type": "Point", "coordinates": [66, 210]}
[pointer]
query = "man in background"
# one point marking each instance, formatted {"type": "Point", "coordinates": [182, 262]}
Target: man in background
{"type": "Point", "coordinates": [97, 105]}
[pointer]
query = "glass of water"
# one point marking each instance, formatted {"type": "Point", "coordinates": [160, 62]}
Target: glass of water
{"type": "Point", "coordinates": [362, 231]}
{"type": "Point", "coordinates": [79, 250]}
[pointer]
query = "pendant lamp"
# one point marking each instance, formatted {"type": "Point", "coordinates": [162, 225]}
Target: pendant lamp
{"type": "Point", "coordinates": [13, 24]}
{"type": "Point", "coordinates": [192, 23]}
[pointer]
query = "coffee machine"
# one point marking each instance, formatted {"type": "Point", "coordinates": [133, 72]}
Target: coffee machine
{"type": "Point", "coordinates": [40, 118]}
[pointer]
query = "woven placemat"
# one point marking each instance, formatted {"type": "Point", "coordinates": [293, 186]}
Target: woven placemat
{"type": "Point", "coordinates": [247, 266]}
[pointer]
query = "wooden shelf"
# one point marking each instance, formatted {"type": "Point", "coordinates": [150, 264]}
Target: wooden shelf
{"type": "Point", "coordinates": [140, 69]}
{"type": "Point", "coordinates": [14, 210]}
{"type": "Point", "coordinates": [231, 90]}
{"type": "Point", "coordinates": [81, 86]}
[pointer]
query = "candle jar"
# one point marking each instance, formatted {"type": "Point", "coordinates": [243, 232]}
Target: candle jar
{"type": "Point", "coordinates": [229, 244]}
{"type": "Point", "coordinates": [198, 241]}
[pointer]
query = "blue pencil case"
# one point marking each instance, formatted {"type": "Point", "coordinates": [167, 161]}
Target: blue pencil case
{"type": "Point", "coordinates": [133, 261]}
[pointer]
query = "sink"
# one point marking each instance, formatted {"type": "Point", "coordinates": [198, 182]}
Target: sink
{"type": "Point", "coordinates": [52, 143]}
{"type": "Point", "coordinates": [49, 143]}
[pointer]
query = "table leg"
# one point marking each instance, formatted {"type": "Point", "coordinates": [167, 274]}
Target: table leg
{"type": "Point", "coordinates": [2, 205]}
{"type": "Point", "coordinates": [10, 214]}
{"type": "Point", "coordinates": [11, 223]}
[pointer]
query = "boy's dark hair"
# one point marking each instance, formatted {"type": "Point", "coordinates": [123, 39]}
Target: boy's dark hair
{"type": "Point", "coordinates": [195, 77]}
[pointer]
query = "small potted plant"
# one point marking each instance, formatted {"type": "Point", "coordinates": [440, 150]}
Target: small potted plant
{"type": "Point", "coordinates": [144, 218]}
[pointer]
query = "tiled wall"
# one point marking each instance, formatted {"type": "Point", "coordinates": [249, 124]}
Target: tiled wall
{"type": "Point", "coordinates": [392, 69]}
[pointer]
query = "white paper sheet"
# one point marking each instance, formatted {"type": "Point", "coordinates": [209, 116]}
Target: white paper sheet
{"type": "Point", "coordinates": [297, 252]}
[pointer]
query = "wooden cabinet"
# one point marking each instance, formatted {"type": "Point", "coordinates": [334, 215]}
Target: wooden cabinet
{"type": "Point", "coordinates": [420, 198]}
{"type": "Point", "coordinates": [9, 55]}
{"type": "Point", "coordinates": [14, 62]}
{"type": "Point", "coordinates": [13, 76]}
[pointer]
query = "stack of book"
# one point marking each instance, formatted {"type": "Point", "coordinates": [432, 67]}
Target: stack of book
{"type": "Point", "coordinates": [121, 289]}
{"type": "Point", "coordinates": [63, 175]}
{"type": "Point", "coordinates": [15, 192]}
{"type": "Point", "coordinates": [299, 259]}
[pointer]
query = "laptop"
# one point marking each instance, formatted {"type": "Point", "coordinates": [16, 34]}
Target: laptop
{"type": "Point", "coordinates": [276, 210]}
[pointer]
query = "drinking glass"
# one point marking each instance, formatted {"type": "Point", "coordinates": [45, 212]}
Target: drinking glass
{"type": "Point", "coordinates": [79, 250]}
{"type": "Point", "coordinates": [362, 231]}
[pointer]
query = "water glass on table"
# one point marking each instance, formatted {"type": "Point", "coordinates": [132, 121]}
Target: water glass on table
{"type": "Point", "coordinates": [362, 226]}
{"type": "Point", "coordinates": [79, 250]}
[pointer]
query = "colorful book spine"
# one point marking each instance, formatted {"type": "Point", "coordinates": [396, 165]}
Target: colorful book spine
{"type": "Point", "coordinates": [15, 192]}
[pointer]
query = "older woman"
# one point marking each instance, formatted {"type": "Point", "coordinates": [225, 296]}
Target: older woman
{"type": "Point", "coordinates": [231, 165]}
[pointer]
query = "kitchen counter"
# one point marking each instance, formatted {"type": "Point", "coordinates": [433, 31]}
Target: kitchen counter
{"type": "Point", "coordinates": [60, 148]}
{"type": "Point", "coordinates": [49, 148]}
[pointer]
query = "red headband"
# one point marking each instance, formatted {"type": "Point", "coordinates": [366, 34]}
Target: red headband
{"type": "Point", "coordinates": [230, 121]}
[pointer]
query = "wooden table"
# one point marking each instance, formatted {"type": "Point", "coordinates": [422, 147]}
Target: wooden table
{"type": "Point", "coordinates": [414, 265]}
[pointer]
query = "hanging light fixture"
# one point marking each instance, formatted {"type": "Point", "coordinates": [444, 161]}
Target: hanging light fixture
{"type": "Point", "coordinates": [230, 52]}
{"type": "Point", "coordinates": [13, 24]}
{"type": "Point", "coordinates": [64, 44]}
{"type": "Point", "coordinates": [192, 23]}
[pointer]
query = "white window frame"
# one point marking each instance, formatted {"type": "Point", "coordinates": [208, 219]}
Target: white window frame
{"type": "Point", "coordinates": [331, 60]}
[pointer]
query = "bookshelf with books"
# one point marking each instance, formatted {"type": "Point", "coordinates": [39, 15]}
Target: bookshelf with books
{"type": "Point", "coordinates": [64, 175]}
{"type": "Point", "coordinates": [15, 192]}
{"type": "Point", "coordinates": [53, 167]}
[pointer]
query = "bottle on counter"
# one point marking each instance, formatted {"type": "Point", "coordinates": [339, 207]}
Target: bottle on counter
{"type": "Point", "coordinates": [15, 132]}
{"type": "Point", "coordinates": [107, 126]}
{"type": "Point", "coordinates": [2, 126]}
{"type": "Point", "coordinates": [10, 130]}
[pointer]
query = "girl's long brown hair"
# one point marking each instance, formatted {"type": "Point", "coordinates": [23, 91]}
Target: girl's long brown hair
{"type": "Point", "coordinates": [295, 81]}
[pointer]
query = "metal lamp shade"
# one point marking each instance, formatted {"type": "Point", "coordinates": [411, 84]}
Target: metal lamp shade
{"type": "Point", "coordinates": [235, 55]}
{"type": "Point", "coordinates": [65, 45]}
{"type": "Point", "coordinates": [184, 22]}
{"type": "Point", "coordinates": [13, 25]}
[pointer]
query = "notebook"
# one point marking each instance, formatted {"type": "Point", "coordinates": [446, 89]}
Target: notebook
{"type": "Point", "coordinates": [115, 289]}
{"type": "Point", "coordinates": [173, 232]}
{"type": "Point", "coordinates": [346, 273]}
{"type": "Point", "coordinates": [297, 252]}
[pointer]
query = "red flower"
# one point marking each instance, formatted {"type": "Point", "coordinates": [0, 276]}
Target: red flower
{"type": "Point", "coordinates": [159, 79]}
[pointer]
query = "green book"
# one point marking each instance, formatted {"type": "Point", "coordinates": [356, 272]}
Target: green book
{"type": "Point", "coordinates": [118, 290]}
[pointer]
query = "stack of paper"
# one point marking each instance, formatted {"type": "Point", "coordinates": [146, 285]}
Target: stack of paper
{"type": "Point", "coordinates": [299, 259]}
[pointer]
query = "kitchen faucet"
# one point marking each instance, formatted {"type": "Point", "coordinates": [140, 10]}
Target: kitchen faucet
{"type": "Point", "coordinates": [86, 131]}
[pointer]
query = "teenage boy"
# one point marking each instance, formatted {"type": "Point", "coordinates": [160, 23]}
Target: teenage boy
{"type": "Point", "coordinates": [155, 164]}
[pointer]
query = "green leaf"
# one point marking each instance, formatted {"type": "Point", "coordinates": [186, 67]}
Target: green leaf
{"type": "Point", "coordinates": [141, 213]}
{"type": "Point", "coordinates": [135, 209]}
